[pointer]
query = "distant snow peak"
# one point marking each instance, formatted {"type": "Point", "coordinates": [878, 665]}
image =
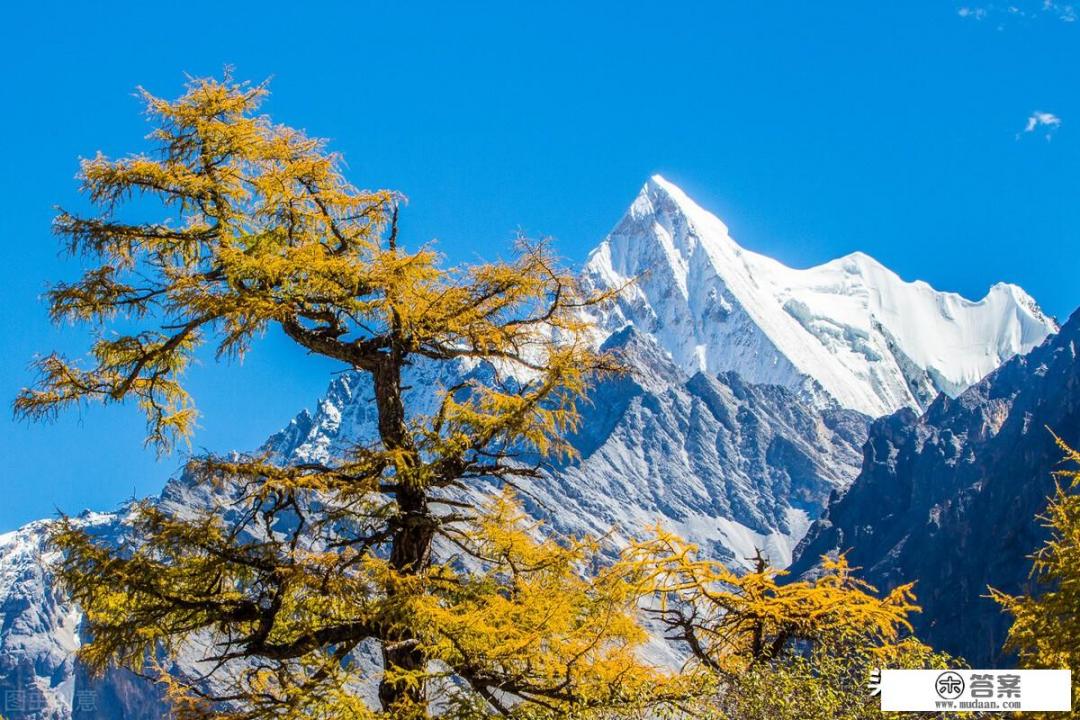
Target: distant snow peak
{"type": "Point", "coordinates": [849, 330]}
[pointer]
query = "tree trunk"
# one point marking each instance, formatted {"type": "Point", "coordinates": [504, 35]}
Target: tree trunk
{"type": "Point", "coordinates": [410, 549]}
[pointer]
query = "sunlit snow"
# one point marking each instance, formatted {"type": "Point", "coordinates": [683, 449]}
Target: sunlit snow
{"type": "Point", "coordinates": [851, 327]}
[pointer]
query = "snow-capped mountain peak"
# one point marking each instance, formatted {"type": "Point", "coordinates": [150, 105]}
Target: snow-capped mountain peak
{"type": "Point", "coordinates": [676, 224]}
{"type": "Point", "coordinates": [850, 329]}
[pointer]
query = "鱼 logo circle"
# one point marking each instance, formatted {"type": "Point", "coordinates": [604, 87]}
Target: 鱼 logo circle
{"type": "Point", "coordinates": [949, 685]}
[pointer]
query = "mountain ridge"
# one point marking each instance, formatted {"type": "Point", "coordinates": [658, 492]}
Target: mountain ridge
{"type": "Point", "coordinates": [849, 329]}
{"type": "Point", "coordinates": [949, 498]}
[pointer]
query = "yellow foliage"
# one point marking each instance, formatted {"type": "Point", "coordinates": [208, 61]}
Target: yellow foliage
{"type": "Point", "coordinates": [389, 546]}
{"type": "Point", "coordinates": [762, 648]}
{"type": "Point", "coordinates": [259, 228]}
{"type": "Point", "coordinates": [536, 618]}
{"type": "Point", "coordinates": [730, 619]}
{"type": "Point", "coordinates": [518, 616]}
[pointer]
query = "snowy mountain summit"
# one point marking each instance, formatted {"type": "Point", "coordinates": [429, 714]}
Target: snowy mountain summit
{"type": "Point", "coordinates": [850, 330]}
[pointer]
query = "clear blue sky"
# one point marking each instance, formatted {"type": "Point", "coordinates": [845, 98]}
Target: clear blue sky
{"type": "Point", "coordinates": [812, 129]}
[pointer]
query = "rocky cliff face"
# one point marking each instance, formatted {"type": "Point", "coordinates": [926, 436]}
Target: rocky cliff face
{"type": "Point", "coordinates": [40, 632]}
{"type": "Point", "coordinates": [949, 499]}
{"type": "Point", "coordinates": [729, 464]}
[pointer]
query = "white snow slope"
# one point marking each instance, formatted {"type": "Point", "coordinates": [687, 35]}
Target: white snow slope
{"type": "Point", "coordinates": [851, 327]}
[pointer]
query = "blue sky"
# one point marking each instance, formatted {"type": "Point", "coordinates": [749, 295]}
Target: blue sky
{"type": "Point", "coordinates": [812, 129]}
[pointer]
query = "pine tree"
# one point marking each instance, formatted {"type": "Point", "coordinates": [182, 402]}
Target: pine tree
{"type": "Point", "coordinates": [258, 230]}
{"type": "Point", "coordinates": [1046, 624]}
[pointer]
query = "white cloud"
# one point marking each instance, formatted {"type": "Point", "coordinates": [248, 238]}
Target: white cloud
{"type": "Point", "coordinates": [1066, 12]}
{"type": "Point", "coordinates": [1027, 9]}
{"type": "Point", "coordinates": [1048, 122]}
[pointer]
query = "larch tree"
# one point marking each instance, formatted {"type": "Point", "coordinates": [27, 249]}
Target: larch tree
{"type": "Point", "coordinates": [258, 229]}
{"type": "Point", "coordinates": [764, 649]}
{"type": "Point", "coordinates": [731, 620]}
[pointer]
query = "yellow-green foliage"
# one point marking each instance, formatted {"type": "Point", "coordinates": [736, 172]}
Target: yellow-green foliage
{"type": "Point", "coordinates": [1046, 626]}
{"type": "Point", "coordinates": [389, 546]}
{"type": "Point", "coordinates": [279, 588]}
{"type": "Point", "coordinates": [260, 227]}
{"type": "Point", "coordinates": [821, 684]}
{"type": "Point", "coordinates": [762, 649]}
{"type": "Point", "coordinates": [732, 620]}
{"type": "Point", "coordinates": [526, 620]}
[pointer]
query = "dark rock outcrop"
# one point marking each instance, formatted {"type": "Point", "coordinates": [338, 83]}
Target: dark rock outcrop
{"type": "Point", "coordinates": [950, 499]}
